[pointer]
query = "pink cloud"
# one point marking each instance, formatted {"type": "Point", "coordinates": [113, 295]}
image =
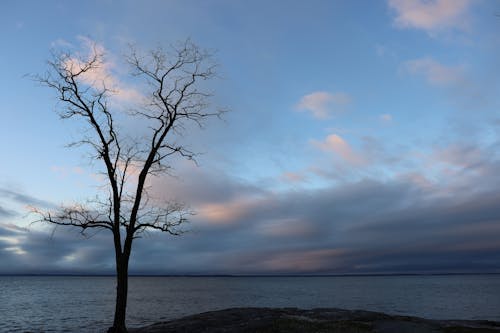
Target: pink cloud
{"type": "Point", "coordinates": [435, 72]}
{"type": "Point", "coordinates": [386, 118]}
{"type": "Point", "coordinates": [101, 75]}
{"type": "Point", "coordinates": [322, 104]}
{"type": "Point", "coordinates": [430, 15]}
{"type": "Point", "coordinates": [293, 177]}
{"type": "Point", "coordinates": [226, 212]}
{"type": "Point", "coordinates": [337, 145]}
{"type": "Point", "coordinates": [302, 261]}
{"type": "Point", "coordinates": [286, 228]}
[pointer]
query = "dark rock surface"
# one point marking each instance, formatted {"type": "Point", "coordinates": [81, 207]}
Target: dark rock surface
{"type": "Point", "coordinates": [292, 320]}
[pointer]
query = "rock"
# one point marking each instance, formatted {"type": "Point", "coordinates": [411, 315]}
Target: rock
{"type": "Point", "coordinates": [292, 320]}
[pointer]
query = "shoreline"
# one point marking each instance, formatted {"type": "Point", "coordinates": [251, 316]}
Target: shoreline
{"type": "Point", "coordinates": [247, 275]}
{"type": "Point", "coordinates": [320, 320]}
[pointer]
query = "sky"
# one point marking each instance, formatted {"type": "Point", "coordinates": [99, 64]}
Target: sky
{"type": "Point", "coordinates": [362, 137]}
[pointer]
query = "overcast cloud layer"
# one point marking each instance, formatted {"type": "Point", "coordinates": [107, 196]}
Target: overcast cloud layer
{"type": "Point", "coordinates": [403, 225]}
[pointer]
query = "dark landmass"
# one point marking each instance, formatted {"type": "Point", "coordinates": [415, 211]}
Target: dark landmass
{"type": "Point", "coordinates": [250, 275]}
{"type": "Point", "coordinates": [292, 320]}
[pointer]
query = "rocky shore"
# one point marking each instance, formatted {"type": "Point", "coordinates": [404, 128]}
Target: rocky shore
{"type": "Point", "coordinates": [292, 320]}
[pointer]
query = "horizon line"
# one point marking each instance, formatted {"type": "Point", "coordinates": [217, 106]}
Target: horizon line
{"type": "Point", "coordinates": [250, 275]}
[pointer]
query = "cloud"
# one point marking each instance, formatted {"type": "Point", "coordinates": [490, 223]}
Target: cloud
{"type": "Point", "coordinates": [64, 171]}
{"type": "Point", "coordinates": [468, 88]}
{"type": "Point", "coordinates": [466, 157]}
{"type": "Point", "coordinates": [384, 51]}
{"type": "Point", "coordinates": [366, 226]}
{"type": "Point", "coordinates": [60, 42]}
{"type": "Point", "coordinates": [293, 177]}
{"type": "Point", "coordinates": [386, 118]}
{"type": "Point", "coordinates": [431, 15]}
{"type": "Point", "coordinates": [24, 199]}
{"type": "Point", "coordinates": [296, 261]}
{"type": "Point", "coordinates": [434, 72]}
{"type": "Point", "coordinates": [289, 227]}
{"type": "Point", "coordinates": [227, 212]}
{"type": "Point", "coordinates": [323, 104]}
{"type": "Point", "coordinates": [41, 251]}
{"type": "Point", "coordinates": [443, 216]}
{"type": "Point", "coordinates": [335, 144]}
{"type": "Point", "coordinates": [4, 212]}
{"type": "Point", "coordinates": [197, 186]}
{"type": "Point", "coordinates": [102, 75]}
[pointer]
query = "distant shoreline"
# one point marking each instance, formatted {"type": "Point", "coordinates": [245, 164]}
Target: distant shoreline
{"type": "Point", "coordinates": [249, 275]}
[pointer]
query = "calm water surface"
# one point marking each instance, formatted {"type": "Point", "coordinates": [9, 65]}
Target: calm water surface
{"type": "Point", "coordinates": [85, 304]}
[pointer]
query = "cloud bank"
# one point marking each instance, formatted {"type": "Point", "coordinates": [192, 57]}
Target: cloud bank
{"type": "Point", "coordinates": [446, 220]}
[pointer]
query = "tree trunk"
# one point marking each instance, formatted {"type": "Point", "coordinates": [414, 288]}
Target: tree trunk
{"type": "Point", "coordinates": [121, 294]}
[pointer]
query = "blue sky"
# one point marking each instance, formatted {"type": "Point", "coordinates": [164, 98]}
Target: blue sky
{"type": "Point", "coordinates": [363, 136]}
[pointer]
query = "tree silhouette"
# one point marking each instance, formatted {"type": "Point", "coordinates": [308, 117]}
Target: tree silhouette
{"type": "Point", "coordinates": [173, 96]}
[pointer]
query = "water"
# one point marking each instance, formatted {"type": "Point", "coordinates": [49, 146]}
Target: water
{"type": "Point", "coordinates": [86, 304]}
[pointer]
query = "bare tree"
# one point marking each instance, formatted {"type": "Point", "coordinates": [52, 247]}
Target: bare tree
{"type": "Point", "coordinates": [173, 97]}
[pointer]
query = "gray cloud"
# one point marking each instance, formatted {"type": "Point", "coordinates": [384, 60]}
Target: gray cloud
{"type": "Point", "coordinates": [23, 198]}
{"type": "Point", "coordinates": [4, 212]}
{"type": "Point", "coordinates": [397, 225]}
{"type": "Point", "coordinates": [27, 250]}
{"type": "Point", "coordinates": [196, 185]}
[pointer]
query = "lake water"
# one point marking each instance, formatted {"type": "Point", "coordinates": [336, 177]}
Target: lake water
{"type": "Point", "coordinates": [86, 304]}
